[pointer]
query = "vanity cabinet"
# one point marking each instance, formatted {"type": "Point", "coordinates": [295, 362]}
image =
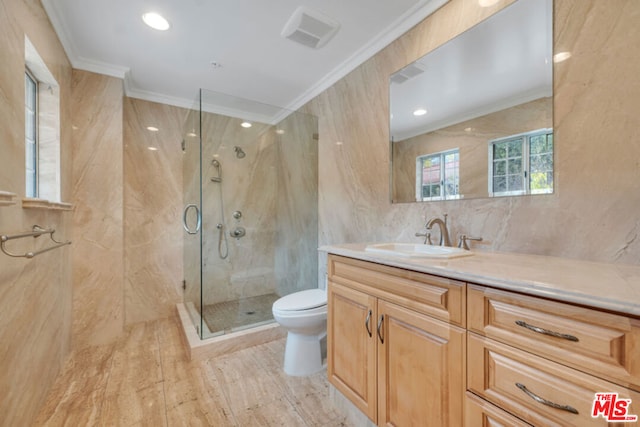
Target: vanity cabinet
{"type": "Point", "coordinates": [543, 361]}
{"type": "Point", "coordinates": [480, 413]}
{"type": "Point", "coordinates": [603, 344]}
{"type": "Point", "coordinates": [408, 348]}
{"type": "Point", "coordinates": [394, 348]}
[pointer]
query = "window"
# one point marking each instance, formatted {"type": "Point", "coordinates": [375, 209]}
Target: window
{"type": "Point", "coordinates": [42, 128]}
{"type": "Point", "coordinates": [438, 176]}
{"type": "Point", "coordinates": [31, 134]}
{"type": "Point", "coordinates": [521, 164]}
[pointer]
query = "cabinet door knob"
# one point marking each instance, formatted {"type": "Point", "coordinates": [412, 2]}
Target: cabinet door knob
{"type": "Point", "coordinates": [380, 327]}
{"type": "Point", "coordinates": [367, 322]}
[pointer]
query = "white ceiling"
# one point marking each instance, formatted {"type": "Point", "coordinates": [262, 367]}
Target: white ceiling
{"type": "Point", "coordinates": [109, 37]}
{"type": "Point", "coordinates": [504, 61]}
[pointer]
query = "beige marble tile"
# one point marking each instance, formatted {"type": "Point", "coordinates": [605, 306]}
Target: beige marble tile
{"type": "Point", "coordinates": [249, 185]}
{"type": "Point", "coordinates": [592, 214]}
{"type": "Point", "coordinates": [239, 389]}
{"type": "Point", "coordinates": [152, 209]}
{"type": "Point", "coordinates": [278, 412]}
{"type": "Point", "coordinates": [35, 295]}
{"type": "Point", "coordinates": [297, 204]}
{"type": "Point", "coordinates": [76, 398]}
{"type": "Point", "coordinates": [194, 397]}
{"type": "Point", "coordinates": [142, 407]}
{"type": "Point", "coordinates": [136, 362]}
{"type": "Point", "coordinates": [98, 216]}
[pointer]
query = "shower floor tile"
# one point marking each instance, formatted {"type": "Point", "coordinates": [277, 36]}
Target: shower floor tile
{"type": "Point", "coordinates": [239, 314]}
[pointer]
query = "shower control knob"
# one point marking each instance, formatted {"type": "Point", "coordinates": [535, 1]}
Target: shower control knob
{"type": "Point", "coordinates": [237, 214]}
{"type": "Point", "coordinates": [238, 232]}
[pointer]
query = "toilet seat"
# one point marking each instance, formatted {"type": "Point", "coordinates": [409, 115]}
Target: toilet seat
{"type": "Point", "coordinates": [302, 300]}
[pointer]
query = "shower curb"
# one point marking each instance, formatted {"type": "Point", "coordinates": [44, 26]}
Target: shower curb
{"type": "Point", "coordinates": [199, 349]}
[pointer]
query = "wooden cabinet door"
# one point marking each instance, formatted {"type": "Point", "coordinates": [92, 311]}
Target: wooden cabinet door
{"type": "Point", "coordinates": [351, 346]}
{"type": "Point", "coordinates": [421, 369]}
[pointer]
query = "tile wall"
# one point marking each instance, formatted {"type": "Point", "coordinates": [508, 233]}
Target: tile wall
{"type": "Point", "coordinates": [593, 214]}
{"type": "Point", "coordinates": [152, 210]}
{"type": "Point", "coordinates": [35, 294]}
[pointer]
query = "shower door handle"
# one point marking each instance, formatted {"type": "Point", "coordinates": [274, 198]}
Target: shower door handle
{"type": "Point", "coordinates": [184, 219]}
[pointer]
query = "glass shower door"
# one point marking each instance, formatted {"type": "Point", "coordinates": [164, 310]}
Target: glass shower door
{"type": "Point", "coordinates": [192, 215]}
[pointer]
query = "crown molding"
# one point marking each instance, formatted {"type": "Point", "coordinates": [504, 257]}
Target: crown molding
{"type": "Point", "coordinates": [58, 25]}
{"type": "Point", "coordinates": [401, 25]}
{"type": "Point", "coordinates": [99, 67]}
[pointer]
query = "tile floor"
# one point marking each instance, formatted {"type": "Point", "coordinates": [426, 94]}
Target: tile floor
{"type": "Point", "coordinates": [145, 379]}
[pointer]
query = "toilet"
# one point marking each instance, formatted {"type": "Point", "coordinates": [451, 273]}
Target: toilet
{"type": "Point", "coordinates": [304, 315]}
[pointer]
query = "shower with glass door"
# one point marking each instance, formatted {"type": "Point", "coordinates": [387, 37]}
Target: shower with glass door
{"type": "Point", "coordinates": [250, 217]}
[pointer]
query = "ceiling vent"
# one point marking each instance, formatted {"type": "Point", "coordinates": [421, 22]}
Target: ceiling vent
{"type": "Point", "coordinates": [310, 28]}
{"type": "Point", "coordinates": [407, 73]}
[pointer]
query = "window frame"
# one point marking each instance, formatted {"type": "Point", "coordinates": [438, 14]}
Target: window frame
{"type": "Point", "coordinates": [32, 192]}
{"type": "Point", "coordinates": [419, 176]}
{"type": "Point", "coordinates": [526, 163]}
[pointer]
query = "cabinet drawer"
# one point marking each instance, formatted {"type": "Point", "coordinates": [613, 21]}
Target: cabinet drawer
{"type": "Point", "coordinates": [510, 378]}
{"type": "Point", "coordinates": [603, 344]}
{"type": "Point", "coordinates": [435, 296]}
{"type": "Point", "coordinates": [480, 413]}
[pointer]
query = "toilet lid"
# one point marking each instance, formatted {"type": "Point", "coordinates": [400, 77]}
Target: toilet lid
{"type": "Point", "coordinates": [302, 300]}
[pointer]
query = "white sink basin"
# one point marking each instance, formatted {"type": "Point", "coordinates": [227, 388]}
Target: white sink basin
{"type": "Point", "coordinates": [417, 250]}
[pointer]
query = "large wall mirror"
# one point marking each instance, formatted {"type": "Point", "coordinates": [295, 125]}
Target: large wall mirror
{"type": "Point", "coordinates": [474, 117]}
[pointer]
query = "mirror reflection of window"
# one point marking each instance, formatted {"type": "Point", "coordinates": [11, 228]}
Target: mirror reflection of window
{"type": "Point", "coordinates": [438, 176]}
{"type": "Point", "coordinates": [521, 164]}
{"type": "Point", "coordinates": [490, 82]}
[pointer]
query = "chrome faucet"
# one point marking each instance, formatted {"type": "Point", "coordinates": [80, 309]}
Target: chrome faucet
{"type": "Point", "coordinates": [444, 232]}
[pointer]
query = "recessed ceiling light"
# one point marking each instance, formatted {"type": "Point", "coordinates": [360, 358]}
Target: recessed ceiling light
{"type": "Point", "coordinates": [420, 112]}
{"type": "Point", "coordinates": [246, 125]}
{"type": "Point", "coordinates": [280, 131]}
{"type": "Point", "coordinates": [152, 148]}
{"type": "Point", "coordinates": [561, 56]}
{"type": "Point", "coordinates": [192, 134]}
{"type": "Point", "coordinates": [155, 21]}
{"type": "Point", "coordinates": [152, 129]}
{"type": "Point", "coordinates": [487, 3]}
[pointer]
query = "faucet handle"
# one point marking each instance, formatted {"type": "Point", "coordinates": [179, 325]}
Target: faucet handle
{"type": "Point", "coordinates": [427, 237]}
{"type": "Point", "coordinates": [462, 242]}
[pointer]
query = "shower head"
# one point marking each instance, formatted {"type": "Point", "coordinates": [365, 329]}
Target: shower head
{"type": "Point", "coordinates": [239, 152]}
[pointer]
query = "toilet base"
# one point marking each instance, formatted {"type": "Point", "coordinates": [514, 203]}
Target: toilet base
{"type": "Point", "coordinates": [303, 354]}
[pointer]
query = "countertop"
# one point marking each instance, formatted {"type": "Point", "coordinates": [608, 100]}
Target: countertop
{"type": "Point", "coordinates": [614, 287]}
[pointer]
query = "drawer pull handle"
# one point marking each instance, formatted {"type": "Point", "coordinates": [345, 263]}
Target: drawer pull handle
{"type": "Point", "coordinates": [545, 401]}
{"type": "Point", "coordinates": [380, 327]}
{"type": "Point", "coordinates": [367, 322]}
{"type": "Point", "coordinates": [546, 331]}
